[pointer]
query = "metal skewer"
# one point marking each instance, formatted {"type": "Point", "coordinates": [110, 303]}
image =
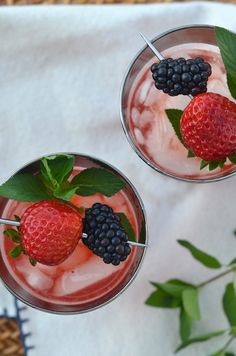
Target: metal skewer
{"type": "Point", "coordinates": [17, 223]}
{"type": "Point", "coordinates": [156, 52]}
{"type": "Point", "coordinates": [9, 222]}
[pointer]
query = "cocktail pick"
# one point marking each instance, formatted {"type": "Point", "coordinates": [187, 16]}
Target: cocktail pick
{"type": "Point", "coordinates": [156, 52]}
{"type": "Point", "coordinates": [17, 223]}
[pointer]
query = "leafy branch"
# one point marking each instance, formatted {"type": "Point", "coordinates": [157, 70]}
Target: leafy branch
{"type": "Point", "coordinates": [185, 296]}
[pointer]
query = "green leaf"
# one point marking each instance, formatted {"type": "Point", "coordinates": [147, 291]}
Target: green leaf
{"type": "Point", "coordinates": [185, 325]}
{"type": "Point", "coordinates": [13, 235]}
{"type": "Point", "coordinates": [24, 187]}
{"type": "Point", "coordinates": [218, 353]}
{"type": "Point", "coordinates": [200, 256]}
{"type": "Point", "coordinates": [32, 261]}
{"type": "Point", "coordinates": [191, 303]}
{"type": "Point", "coordinates": [233, 330]}
{"type": "Point", "coordinates": [231, 81]}
{"type": "Point", "coordinates": [229, 304]}
{"type": "Point", "coordinates": [232, 262]}
{"type": "Point", "coordinates": [127, 226]}
{"type": "Point", "coordinates": [229, 354]}
{"type": "Point", "coordinates": [65, 194]}
{"type": "Point", "coordinates": [17, 218]}
{"type": "Point", "coordinates": [203, 164]}
{"type": "Point", "coordinates": [232, 158]}
{"type": "Point", "coordinates": [97, 180]}
{"type": "Point", "coordinates": [214, 164]}
{"type": "Point", "coordinates": [56, 169]}
{"type": "Point", "coordinates": [16, 251]}
{"type": "Point", "coordinates": [173, 287]}
{"type": "Point", "coordinates": [161, 299]}
{"type": "Point", "coordinates": [200, 339]}
{"type": "Point", "coordinates": [234, 280]}
{"type": "Point", "coordinates": [174, 116]}
{"type": "Point", "coordinates": [191, 154]}
{"type": "Point", "coordinates": [226, 41]}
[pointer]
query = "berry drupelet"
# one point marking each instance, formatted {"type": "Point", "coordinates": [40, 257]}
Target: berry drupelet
{"type": "Point", "coordinates": [105, 235]}
{"type": "Point", "coordinates": [181, 76]}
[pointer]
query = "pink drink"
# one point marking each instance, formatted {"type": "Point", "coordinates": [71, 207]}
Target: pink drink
{"type": "Point", "coordinates": [83, 277]}
{"type": "Point", "coordinates": [149, 127]}
{"type": "Point", "coordinates": [83, 282]}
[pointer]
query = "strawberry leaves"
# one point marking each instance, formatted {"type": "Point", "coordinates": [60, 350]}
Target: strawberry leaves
{"type": "Point", "coordinates": [53, 181]}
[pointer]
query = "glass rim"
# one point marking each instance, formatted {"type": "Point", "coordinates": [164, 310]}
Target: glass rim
{"type": "Point", "coordinates": [138, 267]}
{"type": "Point", "coordinates": [122, 115]}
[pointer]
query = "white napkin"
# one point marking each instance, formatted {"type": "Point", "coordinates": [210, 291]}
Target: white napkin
{"type": "Point", "coordinates": [61, 70]}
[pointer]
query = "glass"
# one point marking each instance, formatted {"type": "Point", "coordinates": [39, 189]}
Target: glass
{"type": "Point", "coordinates": [83, 282]}
{"type": "Point", "coordinates": [142, 106]}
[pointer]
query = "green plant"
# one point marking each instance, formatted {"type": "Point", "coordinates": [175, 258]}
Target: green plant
{"type": "Point", "coordinates": [183, 295]}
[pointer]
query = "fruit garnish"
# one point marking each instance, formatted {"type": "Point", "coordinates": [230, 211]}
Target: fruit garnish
{"type": "Point", "coordinates": [106, 236]}
{"type": "Point", "coordinates": [208, 127]}
{"type": "Point", "coordinates": [181, 76]}
{"type": "Point", "coordinates": [49, 232]}
{"type": "Point", "coordinates": [50, 229]}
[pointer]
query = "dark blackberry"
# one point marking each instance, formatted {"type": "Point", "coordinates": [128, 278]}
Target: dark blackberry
{"type": "Point", "coordinates": [181, 76]}
{"type": "Point", "coordinates": [105, 235]}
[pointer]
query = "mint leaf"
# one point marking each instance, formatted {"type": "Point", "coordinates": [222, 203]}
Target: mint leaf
{"type": "Point", "coordinates": [66, 194]}
{"type": "Point", "coordinates": [232, 158]}
{"type": "Point", "coordinates": [185, 325]}
{"type": "Point", "coordinates": [56, 169]}
{"type": "Point", "coordinates": [231, 81]}
{"type": "Point", "coordinates": [232, 262]}
{"type": "Point", "coordinates": [97, 180]}
{"type": "Point", "coordinates": [226, 41]}
{"type": "Point", "coordinates": [229, 304]}
{"type": "Point", "coordinates": [218, 353]}
{"type": "Point", "coordinates": [200, 256]}
{"type": "Point", "coordinates": [24, 187]}
{"type": "Point", "coordinates": [127, 226]}
{"type": "Point", "coordinates": [200, 339]}
{"type": "Point", "coordinates": [191, 303]}
{"type": "Point", "coordinates": [16, 251]}
{"type": "Point", "coordinates": [160, 299]}
{"type": "Point", "coordinates": [13, 235]}
{"type": "Point", "coordinates": [174, 116]}
{"type": "Point", "coordinates": [173, 287]}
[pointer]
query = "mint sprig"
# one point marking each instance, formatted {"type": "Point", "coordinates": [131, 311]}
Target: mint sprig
{"type": "Point", "coordinates": [54, 181]}
{"type": "Point", "coordinates": [182, 295]}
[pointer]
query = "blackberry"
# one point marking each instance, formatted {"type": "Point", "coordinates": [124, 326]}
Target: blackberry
{"type": "Point", "coordinates": [181, 76]}
{"type": "Point", "coordinates": [105, 235]}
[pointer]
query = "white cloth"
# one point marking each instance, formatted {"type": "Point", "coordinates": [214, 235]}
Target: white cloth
{"type": "Point", "coordinates": [61, 70]}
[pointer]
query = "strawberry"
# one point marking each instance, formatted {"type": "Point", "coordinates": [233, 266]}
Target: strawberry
{"type": "Point", "coordinates": [50, 231]}
{"type": "Point", "coordinates": [208, 126]}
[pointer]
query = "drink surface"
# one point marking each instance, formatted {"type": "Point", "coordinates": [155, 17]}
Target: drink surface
{"type": "Point", "coordinates": [150, 128]}
{"type": "Point", "coordinates": [82, 277]}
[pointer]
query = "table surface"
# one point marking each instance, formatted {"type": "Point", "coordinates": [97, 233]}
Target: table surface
{"type": "Point", "coordinates": [52, 101]}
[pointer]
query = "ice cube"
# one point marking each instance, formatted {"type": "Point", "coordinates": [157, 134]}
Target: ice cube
{"type": "Point", "coordinates": [83, 276]}
{"type": "Point", "coordinates": [139, 136]}
{"type": "Point", "coordinates": [135, 114]}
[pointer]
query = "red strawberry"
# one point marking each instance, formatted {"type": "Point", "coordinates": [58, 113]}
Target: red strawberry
{"type": "Point", "coordinates": [50, 231]}
{"type": "Point", "coordinates": [208, 126]}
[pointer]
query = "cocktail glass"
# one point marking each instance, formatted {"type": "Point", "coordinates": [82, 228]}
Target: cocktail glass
{"type": "Point", "coordinates": [83, 282]}
{"type": "Point", "coordinates": [142, 107]}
